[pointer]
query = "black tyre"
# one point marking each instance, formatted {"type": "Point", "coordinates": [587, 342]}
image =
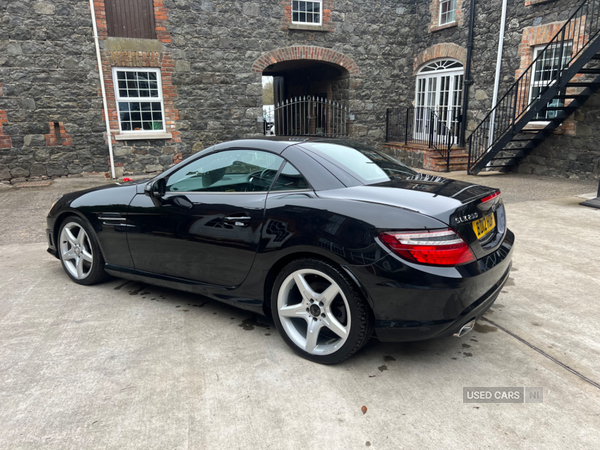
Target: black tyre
{"type": "Point", "coordinates": [319, 312]}
{"type": "Point", "coordinates": [79, 252]}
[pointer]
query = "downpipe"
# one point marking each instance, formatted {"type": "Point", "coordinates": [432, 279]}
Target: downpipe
{"type": "Point", "coordinates": [498, 70]}
{"type": "Point", "coordinates": [468, 82]}
{"type": "Point", "coordinates": [103, 88]}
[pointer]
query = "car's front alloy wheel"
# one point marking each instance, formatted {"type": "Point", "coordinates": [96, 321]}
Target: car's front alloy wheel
{"type": "Point", "coordinates": [319, 312]}
{"type": "Point", "coordinates": [79, 252]}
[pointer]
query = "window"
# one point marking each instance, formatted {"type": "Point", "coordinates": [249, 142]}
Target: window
{"type": "Point", "coordinates": [545, 73]}
{"type": "Point", "coordinates": [306, 12]}
{"type": "Point", "coordinates": [227, 171]}
{"type": "Point", "coordinates": [362, 162]}
{"type": "Point", "coordinates": [290, 179]}
{"type": "Point", "coordinates": [130, 19]}
{"type": "Point", "coordinates": [439, 95]}
{"type": "Point", "coordinates": [139, 99]}
{"type": "Point", "coordinates": [447, 12]}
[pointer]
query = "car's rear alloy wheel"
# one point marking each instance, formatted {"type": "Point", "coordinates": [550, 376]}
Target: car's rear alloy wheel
{"type": "Point", "coordinates": [79, 252]}
{"type": "Point", "coordinates": [320, 314]}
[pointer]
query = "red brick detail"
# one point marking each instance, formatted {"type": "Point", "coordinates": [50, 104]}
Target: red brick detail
{"type": "Point", "coordinates": [177, 158]}
{"type": "Point", "coordinates": [310, 52]}
{"type": "Point", "coordinates": [161, 16]}
{"type": "Point", "coordinates": [326, 23]}
{"type": "Point", "coordinates": [536, 2]}
{"type": "Point", "coordinates": [434, 9]}
{"type": "Point", "coordinates": [440, 51]}
{"type": "Point", "coordinates": [540, 35]}
{"type": "Point", "coordinates": [432, 160]}
{"type": "Point", "coordinates": [5, 141]}
{"type": "Point", "coordinates": [101, 25]}
{"type": "Point", "coordinates": [65, 139]}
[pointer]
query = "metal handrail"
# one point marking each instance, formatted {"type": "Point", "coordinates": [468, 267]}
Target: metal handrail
{"type": "Point", "coordinates": [578, 31]}
{"type": "Point", "coordinates": [437, 128]}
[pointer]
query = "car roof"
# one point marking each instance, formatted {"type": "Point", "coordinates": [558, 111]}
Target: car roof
{"type": "Point", "coordinates": [277, 144]}
{"type": "Point", "coordinates": [321, 173]}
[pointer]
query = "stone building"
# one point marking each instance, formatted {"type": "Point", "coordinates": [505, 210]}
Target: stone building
{"type": "Point", "coordinates": [180, 75]}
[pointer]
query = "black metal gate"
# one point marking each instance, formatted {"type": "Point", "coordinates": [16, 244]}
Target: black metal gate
{"type": "Point", "coordinates": [311, 116]}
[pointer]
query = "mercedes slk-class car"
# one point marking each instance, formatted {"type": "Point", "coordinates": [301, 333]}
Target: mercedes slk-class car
{"type": "Point", "coordinates": [333, 239]}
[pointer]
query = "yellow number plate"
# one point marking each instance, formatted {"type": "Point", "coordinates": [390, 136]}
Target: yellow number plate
{"type": "Point", "coordinates": [484, 225]}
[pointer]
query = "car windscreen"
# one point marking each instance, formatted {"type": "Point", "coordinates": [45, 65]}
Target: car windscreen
{"type": "Point", "coordinates": [366, 164]}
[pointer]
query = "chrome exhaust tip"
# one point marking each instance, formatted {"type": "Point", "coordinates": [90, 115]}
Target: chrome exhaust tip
{"type": "Point", "coordinates": [465, 329]}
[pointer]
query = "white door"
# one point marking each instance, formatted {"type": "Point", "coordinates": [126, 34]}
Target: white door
{"type": "Point", "coordinates": [438, 101]}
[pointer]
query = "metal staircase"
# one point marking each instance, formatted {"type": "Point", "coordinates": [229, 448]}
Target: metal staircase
{"type": "Point", "coordinates": [562, 77]}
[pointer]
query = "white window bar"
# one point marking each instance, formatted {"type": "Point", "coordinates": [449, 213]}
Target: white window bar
{"type": "Point", "coordinates": [310, 12]}
{"type": "Point", "coordinates": [138, 93]}
{"type": "Point", "coordinates": [447, 11]}
{"type": "Point", "coordinates": [545, 73]}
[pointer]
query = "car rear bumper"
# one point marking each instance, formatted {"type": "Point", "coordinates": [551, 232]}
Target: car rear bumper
{"type": "Point", "coordinates": [412, 302]}
{"type": "Point", "coordinates": [399, 331]}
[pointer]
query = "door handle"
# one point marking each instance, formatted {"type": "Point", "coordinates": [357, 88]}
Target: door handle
{"type": "Point", "coordinates": [231, 219]}
{"type": "Point", "coordinates": [238, 221]}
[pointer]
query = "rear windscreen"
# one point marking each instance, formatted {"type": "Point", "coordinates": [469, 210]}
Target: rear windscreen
{"type": "Point", "coordinates": [364, 163]}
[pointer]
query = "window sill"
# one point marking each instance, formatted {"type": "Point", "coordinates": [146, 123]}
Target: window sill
{"type": "Point", "coordinates": [307, 27]}
{"type": "Point", "coordinates": [142, 136]}
{"type": "Point", "coordinates": [443, 27]}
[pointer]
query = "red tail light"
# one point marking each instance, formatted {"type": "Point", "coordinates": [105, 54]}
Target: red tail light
{"type": "Point", "coordinates": [436, 247]}
{"type": "Point", "coordinates": [490, 197]}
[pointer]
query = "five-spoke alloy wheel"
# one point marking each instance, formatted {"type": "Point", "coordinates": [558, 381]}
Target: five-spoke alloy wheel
{"type": "Point", "coordinates": [319, 312]}
{"type": "Point", "coordinates": [79, 252]}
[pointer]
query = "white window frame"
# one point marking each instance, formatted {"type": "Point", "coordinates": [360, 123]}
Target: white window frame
{"type": "Point", "coordinates": [118, 99]}
{"type": "Point", "coordinates": [450, 13]}
{"type": "Point", "coordinates": [566, 59]}
{"type": "Point", "coordinates": [312, 2]}
{"type": "Point", "coordinates": [428, 94]}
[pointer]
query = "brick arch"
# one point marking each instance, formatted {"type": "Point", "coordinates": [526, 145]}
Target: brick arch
{"type": "Point", "coordinates": [440, 51]}
{"type": "Point", "coordinates": [305, 52]}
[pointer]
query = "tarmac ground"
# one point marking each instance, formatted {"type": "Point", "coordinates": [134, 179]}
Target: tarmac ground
{"type": "Point", "coordinates": [128, 365]}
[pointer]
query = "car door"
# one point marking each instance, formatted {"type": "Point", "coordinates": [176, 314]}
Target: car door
{"type": "Point", "coordinates": [207, 226]}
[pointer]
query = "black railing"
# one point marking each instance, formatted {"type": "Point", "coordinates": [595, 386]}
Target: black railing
{"type": "Point", "coordinates": [437, 128]}
{"type": "Point", "coordinates": [311, 116]}
{"type": "Point", "coordinates": [514, 109]}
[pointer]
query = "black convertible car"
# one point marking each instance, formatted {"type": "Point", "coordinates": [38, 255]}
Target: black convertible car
{"type": "Point", "coordinates": [335, 240]}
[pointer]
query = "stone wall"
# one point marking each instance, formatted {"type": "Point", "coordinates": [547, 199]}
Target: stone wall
{"type": "Point", "coordinates": [485, 43]}
{"type": "Point", "coordinates": [414, 159]}
{"type": "Point", "coordinates": [48, 76]}
{"type": "Point", "coordinates": [220, 96]}
{"type": "Point", "coordinates": [51, 117]}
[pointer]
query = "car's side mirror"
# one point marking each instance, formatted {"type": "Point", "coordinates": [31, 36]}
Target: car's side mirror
{"type": "Point", "coordinates": [156, 189]}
